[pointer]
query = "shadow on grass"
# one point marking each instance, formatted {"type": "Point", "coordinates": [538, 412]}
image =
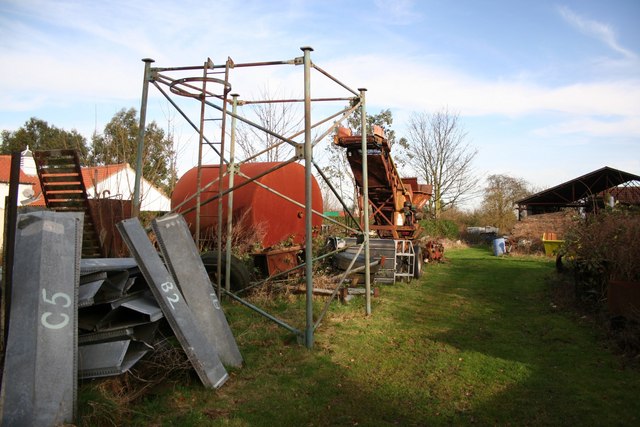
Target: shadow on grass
{"type": "Point", "coordinates": [474, 342]}
{"type": "Point", "coordinates": [282, 384]}
{"type": "Point", "coordinates": [527, 362]}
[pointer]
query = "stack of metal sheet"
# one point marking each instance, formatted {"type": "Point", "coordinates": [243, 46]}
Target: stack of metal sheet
{"type": "Point", "coordinates": [196, 341]}
{"type": "Point", "coordinates": [117, 316]}
{"type": "Point", "coordinates": [121, 301]}
{"type": "Point", "coordinates": [82, 318]}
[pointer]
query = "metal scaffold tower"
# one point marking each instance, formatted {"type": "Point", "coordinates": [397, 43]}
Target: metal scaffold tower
{"type": "Point", "coordinates": [210, 85]}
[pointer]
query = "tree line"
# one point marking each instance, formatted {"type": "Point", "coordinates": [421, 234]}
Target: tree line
{"type": "Point", "coordinates": [436, 149]}
{"type": "Point", "coordinates": [115, 145]}
{"type": "Point", "coordinates": [438, 152]}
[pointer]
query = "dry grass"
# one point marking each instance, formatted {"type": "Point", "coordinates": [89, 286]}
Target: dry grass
{"type": "Point", "coordinates": [245, 238]}
{"type": "Point", "coordinates": [454, 244]}
{"type": "Point", "coordinates": [107, 401]}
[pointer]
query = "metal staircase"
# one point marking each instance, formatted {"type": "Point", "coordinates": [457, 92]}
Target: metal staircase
{"type": "Point", "coordinates": [63, 189]}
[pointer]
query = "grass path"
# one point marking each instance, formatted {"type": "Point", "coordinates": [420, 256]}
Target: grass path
{"type": "Point", "coordinates": [476, 341]}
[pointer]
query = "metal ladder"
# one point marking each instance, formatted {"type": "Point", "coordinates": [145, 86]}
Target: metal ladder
{"type": "Point", "coordinates": [207, 73]}
{"type": "Point", "coordinates": [405, 259]}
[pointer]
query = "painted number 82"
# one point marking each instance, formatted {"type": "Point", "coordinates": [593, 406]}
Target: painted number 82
{"type": "Point", "coordinates": [166, 288]}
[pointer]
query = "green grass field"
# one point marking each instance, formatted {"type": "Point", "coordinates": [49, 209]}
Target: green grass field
{"type": "Point", "coordinates": [475, 341]}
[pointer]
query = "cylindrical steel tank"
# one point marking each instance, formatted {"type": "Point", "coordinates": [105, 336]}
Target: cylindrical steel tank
{"type": "Point", "coordinates": [256, 206]}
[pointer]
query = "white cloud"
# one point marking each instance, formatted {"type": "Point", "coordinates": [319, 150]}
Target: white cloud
{"type": "Point", "coordinates": [418, 85]}
{"type": "Point", "coordinates": [102, 62]}
{"type": "Point", "coordinates": [627, 127]}
{"type": "Point", "coordinates": [70, 50]}
{"type": "Point", "coordinates": [600, 31]}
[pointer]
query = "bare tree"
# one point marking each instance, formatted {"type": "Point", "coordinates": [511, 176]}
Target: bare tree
{"type": "Point", "coordinates": [443, 158]}
{"type": "Point", "coordinates": [500, 196]}
{"type": "Point", "coordinates": [282, 118]}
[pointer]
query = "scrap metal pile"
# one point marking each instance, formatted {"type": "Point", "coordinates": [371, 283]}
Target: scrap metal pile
{"type": "Point", "coordinates": [73, 318]}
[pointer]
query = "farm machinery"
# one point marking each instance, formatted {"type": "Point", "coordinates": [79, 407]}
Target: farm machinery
{"type": "Point", "coordinates": [395, 204]}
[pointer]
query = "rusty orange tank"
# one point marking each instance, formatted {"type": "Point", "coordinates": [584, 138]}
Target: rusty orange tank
{"type": "Point", "coordinates": [258, 207]}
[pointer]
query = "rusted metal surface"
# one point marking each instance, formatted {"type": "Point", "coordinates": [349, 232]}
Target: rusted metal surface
{"type": "Point", "coordinates": [107, 213]}
{"type": "Point", "coordinates": [183, 87]}
{"type": "Point", "coordinates": [254, 206]}
{"type": "Point", "coordinates": [277, 261]}
{"type": "Point", "coordinates": [394, 200]}
{"type": "Point", "coordinates": [421, 193]}
{"type": "Point", "coordinates": [433, 250]}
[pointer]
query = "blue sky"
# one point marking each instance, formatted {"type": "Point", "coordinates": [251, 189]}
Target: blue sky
{"type": "Point", "coordinates": [546, 90]}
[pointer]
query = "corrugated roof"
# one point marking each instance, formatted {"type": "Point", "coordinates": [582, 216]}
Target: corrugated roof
{"type": "Point", "coordinates": [577, 189]}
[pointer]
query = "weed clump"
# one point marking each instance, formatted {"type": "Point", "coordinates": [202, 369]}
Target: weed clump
{"type": "Point", "coordinates": [601, 254]}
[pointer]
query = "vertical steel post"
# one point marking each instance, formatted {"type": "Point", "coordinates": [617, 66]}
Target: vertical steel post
{"type": "Point", "coordinates": [223, 135]}
{"type": "Point", "coordinates": [232, 171]}
{"type": "Point", "coordinates": [365, 201]}
{"type": "Point", "coordinates": [203, 100]}
{"type": "Point", "coordinates": [135, 209]}
{"type": "Point", "coordinates": [308, 158]}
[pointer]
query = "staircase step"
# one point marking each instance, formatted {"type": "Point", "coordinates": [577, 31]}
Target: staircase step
{"type": "Point", "coordinates": [64, 191]}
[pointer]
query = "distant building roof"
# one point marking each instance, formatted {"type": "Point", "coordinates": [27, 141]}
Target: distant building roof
{"type": "Point", "coordinates": [91, 176]}
{"type": "Point", "coordinates": [95, 174]}
{"type": "Point", "coordinates": [5, 172]}
{"type": "Point", "coordinates": [625, 195]}
{"type": "Point", "coordinates": [572, 192]}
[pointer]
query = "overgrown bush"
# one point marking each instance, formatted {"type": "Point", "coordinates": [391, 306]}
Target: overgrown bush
{"type": "Point", "coordinates": [443, 228]}
{"type": "Point", "coordinates": [603, 247]}
{"type": "Point", "coordinates": [245, 238]}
